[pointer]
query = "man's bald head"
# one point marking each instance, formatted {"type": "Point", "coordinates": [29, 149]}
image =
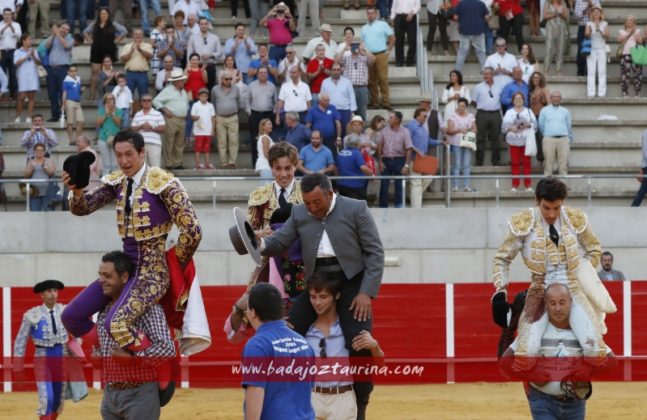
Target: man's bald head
{"type": "Point", "coordinates": [558, 301]}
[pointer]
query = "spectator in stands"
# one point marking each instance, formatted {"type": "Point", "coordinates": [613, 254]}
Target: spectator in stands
{"type": "Point", "coordinates": [487, 98]}
{"type": "Point", "coordinates": [196, 77]}
{"type": "Point", "coordinates": [533, 17]}
{"type": "Point", "coordinates": [342, 95]}
{"type": "Point", "coordinates": [109, 119]}
{"type": "Point", "coordinates": [10, 33]}
{"type": "Point", "coordinates": [556, 14]}
{"type": "Point", "coordinates": [555, 124]}
{"type": "Point", "coordinates": [107, 79]}
{"type": "Point", "coordinates": [263, 142]}
{"type": "Point", "coordinates": [38, 8]}
{"type": "Point", "coordinates": [162, 77]}
{"type": "Point", "coordinates": [502, 62]}
{"type": "Point", "coordinates": [517, 122]}
{"type": "Point", "coordinates": [314, 11]}
{"type": "Point", "coordinates": [454, 90]}
{"type": "Point", "coordinates": [150, 123]}
{"type": "Point", "coordinates": [242, 48]}
{"type": "Point", "coordinates": [294, 96]}
{"type": "Point", "coordinates": [136, 57]}
{"type": "Point", "coordinates": [72, 104]}
{"type": "Point", "coordinates": [83, 145]}
{"type": "Point", "coordinates": [38, 134]}
{"type": "Point", "coordinates": [608, 273]}
{"type": "Point", "coordinates": [642, 178]}
{"type": "Point", "coordinates": [39, 167]}
{"type": "Point", "coordinates": [182, 33]}
{"type": "Point", "coordinates": [316, 157]}
{"type": "Point", "coordinates": [343, 48]}
{"type": "Point", "coordinates": [157, 13]}
{"type": "Point", "coordinates": [324, 118]}
{"type": "Point", "coordinates": [421, 142]}
{"type": "Point", "coordinates": [356, 131]}
{"type": "Point", "coordinates": [229, 63]}
{"type": "Point", "coordinates": [173, 102]}
{"type": "Point", "coordinates": [203, 115]}
{"type": "Point", "coordinates": [404, 15]}
{"type": "Point", "coordinates": [355, 61]}
{"type": "Point", "coordinates": [374, 128]}
{"type": "Point", "coordinates": [596, 63]}
{"type": "Point", "coordinates": [630, 36]}
{"type": "Point", "coordinates": [26, 59]}
{"type": "Point", "coordinates": [394, 151]}
{"type": "Point", "coordinates": [157, 35]}
{"type": "Point", "coordinates": [460, 123]}
{"type": "Point", "coordinates": [227, 99]}
{"type": "Point", "coordinates": [582, 13]}
{"type": "Point", "coordinates": [263, 60]}
{"type": "Point", "coordinates": [291, 59]}
{"type": "Point", "coordinates": [123, 100]}
{"type": "Point", "coordinates": [103, 36]}
{"type": "Point", "coordinates": [172, 45]}
{"type": "Point", "coordinates": [258, 9]}
{"type": "Point", "coordinates": [126, 7]}
{"type": "Point", "coordinates": [350, 162]}
{"type": "Point", "coordinates": [192, 24]}
{"type": "Point", "coordinates": [319, 68]}
{"type": "Point", "coordinates": [207, 46]}
{"type": "Point", "coordinates": [510, 17]}
{"type": "Point", "coordinates": [472, 17]}
{"type": "Point", "coordinates": [59, 44]}
{"type": "Point", "coordinates": [539, 95]}
{"type": "Point", "coordinates": [280, 24]}
{"type": "Point", "coordinates": [296, 134]}
{"type": "Point", "coordinates": [436, 18]}
{"type": "Point", "coordinates": [516, 85]}
{"type": "Point", "coordinates": [379, 39]}
{"type": "Point", "coordinates": [261, 98]}
{"type": "Point", "coordinates": [234, 8]}
{"type": "Point", "coordinates": [325, 39]}
{"type": "Point", "coordinates": [527, 62]}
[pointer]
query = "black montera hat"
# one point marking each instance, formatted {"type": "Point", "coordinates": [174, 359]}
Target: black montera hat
{"type": "Point", "coordinates": [78, 167]}
{"type": "Point", "coordinates": [48, 284]}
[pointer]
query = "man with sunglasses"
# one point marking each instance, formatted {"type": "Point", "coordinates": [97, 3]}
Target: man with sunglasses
{"type": "Point", "coordinates": [502, 62]}
{"type": "Point", "coordinates": [332, 400]}
{"type": "Point", "coordinates": [150, 123]}
{"type": "Point", "coordinates": [208, 46]}
{"type": "Point", "coordinates": [228, 100]}
{"type": "Point", "coordinates": [294, 96]}
{"type": "Point", "coordinates": [486, 96]}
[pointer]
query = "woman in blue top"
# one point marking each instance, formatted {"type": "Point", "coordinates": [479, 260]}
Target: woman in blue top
{"type": "Point", "coordinates": [26, 59]}
{"type": "Point", "coordinates": [108, 123]}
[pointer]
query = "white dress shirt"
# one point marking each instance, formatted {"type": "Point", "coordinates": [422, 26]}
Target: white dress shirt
{"type": "Point", "coordinates": [288, 190]}
{"type": "Point", "coordinates": [325, 249]}
{"type": "Point", "coordinates": [506, 61]}
{"type": "Point", "coordinates": [9, 38]}
{"type": "Point", "coordinates": [404, 7]}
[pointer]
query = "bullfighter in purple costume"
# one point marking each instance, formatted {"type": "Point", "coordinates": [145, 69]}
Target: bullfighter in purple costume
{"type": "Point", "coordinates": [149, 201]}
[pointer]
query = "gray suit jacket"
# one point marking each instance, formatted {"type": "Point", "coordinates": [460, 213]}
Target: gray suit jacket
{"type": "Point", "coordinates": [353, 236]}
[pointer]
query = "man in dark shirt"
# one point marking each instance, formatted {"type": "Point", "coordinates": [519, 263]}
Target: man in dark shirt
{"type": "Point", "coordinates": [472, 20]}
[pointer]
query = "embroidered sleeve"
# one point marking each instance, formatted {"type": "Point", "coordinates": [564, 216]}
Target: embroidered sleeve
{"type": "Point", "coordinates": [183, 213]}
{"type": "Point", "coordinates": [591, 245]}
{"type": "Point", "coordinates": [21, 339]}
{"type": "Point", "coordinates": [509, 249]}
{"type": "Point", "coordinates": [92, 200]}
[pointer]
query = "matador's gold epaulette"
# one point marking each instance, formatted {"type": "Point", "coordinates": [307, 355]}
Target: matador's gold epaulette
{"type": "Point", "coordinates": [576, 218]}
{"type": "Point", "coordinates": [297, 196]}
{"type": "Point", "coordinates": [113, 178]}
{"type": "Point", "coordinates": [522, 222]}
{"type": "Point", "coordinates": [260, 195]}
{"type": "Point", "coordinates": [157, 180]}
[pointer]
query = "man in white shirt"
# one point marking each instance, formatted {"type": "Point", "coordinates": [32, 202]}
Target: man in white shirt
{"type": "Point", "coordinates": [325, 30]}
{"type": "Point", "coordinates": [502, 62]}
{"type": "Point", "coordinates": [404, 15]}
{"type": "Point", "coordinates": [161, 79]}
{"type": "Point", "coordinates": [10, 33]}
{"type": "Point", "coordinates": [294, 96]}
{"type": "Point", "coordinates": [291, 59]}
{"type": "Point", "coordinates": [192, 24]}
{"type": "Point", "coordinates": [13, 5]}
{"type": "Point", "coordinates": [151, 124]}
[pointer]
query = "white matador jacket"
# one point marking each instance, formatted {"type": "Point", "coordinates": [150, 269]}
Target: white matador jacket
{"type": "Point", "coordinates": [550, 263]}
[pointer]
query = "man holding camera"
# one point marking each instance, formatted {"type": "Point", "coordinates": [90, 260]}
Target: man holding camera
{"type": "Point", "coordinates": [38, 134]}
{"type": "Point", "coordinates": [280, 24]}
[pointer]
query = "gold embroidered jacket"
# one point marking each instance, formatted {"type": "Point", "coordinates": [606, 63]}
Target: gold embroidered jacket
{"type": "Point", "coordinates": [263, 201]}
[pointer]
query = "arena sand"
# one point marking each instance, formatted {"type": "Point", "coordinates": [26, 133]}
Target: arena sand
{"type": "Point", "coordinates": [478, 401]}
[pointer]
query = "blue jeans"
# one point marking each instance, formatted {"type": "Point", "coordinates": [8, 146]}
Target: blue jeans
{"type": "Point", "coordinates": [361, 96]}
{"type": "Point", "coordinates": [125, 120]}
{"type": "Point", "coordinates": [277, 52]}
{"type": "Point", "coordinates": [38, 203]}
{"type": "Point", "coordinates": [489, 41]}
{"type": "Point", "coordinates": [545, 407]}
{"type": "Point", "coordinates": [461, 162]}
{"type": "Point", "coordinates": [384, 6]}
{"type": "Point", "coordinates": [345, 115]}
{"type": "Point", "coordinates": [137, 80]}
{"type": "Point", "coordinates": [74, 9]}
{"type": "Point", "coordinates": [392, 166]}
{"type": "Point", "coordinates": [143, 9]}
{"type": "Point", "coordinates": [638, 199]}
{"type": "Point", "coordinates": [55, 77]}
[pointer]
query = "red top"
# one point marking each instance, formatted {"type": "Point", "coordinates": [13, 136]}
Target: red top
{"type": "Point", "coordinates": [313, 65]}
{"type": "Point", "coordinates": [509, 5]}
{"type": "Point", "coordinates": [194, 82]}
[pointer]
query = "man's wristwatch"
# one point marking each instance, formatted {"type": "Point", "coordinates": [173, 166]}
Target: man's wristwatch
{"type": "Point", "coordinates": [406, 165]}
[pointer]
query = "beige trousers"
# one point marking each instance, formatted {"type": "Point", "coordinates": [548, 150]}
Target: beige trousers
{"type": "Point", "coordinates": [556, 152]}
{"type": "Point", "coordinates": [36, 7]}
{"type": "Point", "coordinates": [334, 406]}
{"type": "Point", "coordinates": [416, 188]}
{"type": "Point", "coordinates": [173, 148]}
{"type": "Point", "coordinates": [227, 133]}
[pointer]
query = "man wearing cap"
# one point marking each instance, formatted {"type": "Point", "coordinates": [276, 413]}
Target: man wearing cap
{"type": "Point", "coordinates": [342, 95]}
{"type": "Point", "coordinates": [173, 102]}
{"type": "Point", "coordinates": [291, 59]}
{"type": "Point", "coordinates": [379, 39]}
{"type": "Point", "coordinates": [151, 124]}
{"type": "Point", "coordinates": [325, 39]}
{"type": "Point", "coordinates": [43, 324]}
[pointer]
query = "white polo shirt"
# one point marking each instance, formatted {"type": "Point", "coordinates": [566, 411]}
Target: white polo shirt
{"type": "Point", "coordinates": [295, 97]}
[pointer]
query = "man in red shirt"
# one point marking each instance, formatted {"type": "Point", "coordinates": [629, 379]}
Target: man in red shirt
{"type": "Point", "coordinates": [318, 69]}
{"type": "Point", "coordinates": [510, 17]}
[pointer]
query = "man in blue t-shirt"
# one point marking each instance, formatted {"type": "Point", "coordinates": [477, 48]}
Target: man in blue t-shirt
{"type": "Point", "coordinates": [269, 396]}
{"type": "Point", "coordinates": [316, 157]}
{"type": "Point", "coordinates": [350, 162]}
{"type": "Point", "coordinates": [472, 20]}
{"type": "Point", "coordinates": [325, 118]}
{"type": "Point", "coordinates": [263, 60]}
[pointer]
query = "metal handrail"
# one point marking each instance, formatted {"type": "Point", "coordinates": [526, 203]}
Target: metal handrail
{"type": "Point", "coordinates": [423, 71]}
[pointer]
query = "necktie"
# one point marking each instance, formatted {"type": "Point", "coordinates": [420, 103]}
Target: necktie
{"type": "Point", "coordinates": [51, 314]}
{"type": "Point", "coordinates": [282, 200]}
{"type": "Point", "coordinates": [129, 191]}
{"type": "Point", "coordinates": [554, 236]}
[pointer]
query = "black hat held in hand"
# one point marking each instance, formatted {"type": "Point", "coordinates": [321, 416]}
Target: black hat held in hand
{"type": "Point", "coordinates": [78, 167]}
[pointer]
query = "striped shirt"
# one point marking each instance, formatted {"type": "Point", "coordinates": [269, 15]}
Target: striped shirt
{"type": "Point", "coordinates": [355, 69]}
{"type": "Point", "coordinates": [155, 119]}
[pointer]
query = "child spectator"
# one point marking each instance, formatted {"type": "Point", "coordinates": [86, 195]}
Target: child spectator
{"type": "Point", "coordinates": [72, 104]}
{"type": "Point", "coordinates": [123, 99]}
{"type": "Point", "coordinates": [204, 116]}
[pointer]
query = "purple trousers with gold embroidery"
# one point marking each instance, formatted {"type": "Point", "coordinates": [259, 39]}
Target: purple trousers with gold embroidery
{"type": "Point", "coordinates": [144, 288]}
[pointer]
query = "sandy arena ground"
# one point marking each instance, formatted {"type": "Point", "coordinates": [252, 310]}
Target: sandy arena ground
{"type": "Point", "coordinates": [479, 401]}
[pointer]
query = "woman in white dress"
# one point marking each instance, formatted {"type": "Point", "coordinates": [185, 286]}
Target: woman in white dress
{"type": "Point", "coordinates": [453, 92]}
{"type": "Point", "coordinates": [263, 144]}
{"type": "Point", "coordinates": [26, 59]}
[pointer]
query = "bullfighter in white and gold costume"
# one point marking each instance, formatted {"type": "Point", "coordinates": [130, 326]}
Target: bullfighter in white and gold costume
{"type": "Point", "coordinates": [552, 257]}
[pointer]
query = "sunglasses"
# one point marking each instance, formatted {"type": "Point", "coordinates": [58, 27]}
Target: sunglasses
{"type": "Point", "coordinates": [322, 348]}
{"type": "Point", "coordinates": [295, 93]}
{"type": "Point", "coordinates": [227, 78]}
{"type": "Point", "coordinates": [147, 100]}
{"type": "Point", "coordinates": [500, 46]}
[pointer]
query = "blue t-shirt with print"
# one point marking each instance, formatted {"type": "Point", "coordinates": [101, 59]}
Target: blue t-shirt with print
{"type": "Point", "coordinates": [349, 163]}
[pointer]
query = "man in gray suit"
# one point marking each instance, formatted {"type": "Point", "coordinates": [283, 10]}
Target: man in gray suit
{"type": "Point", "coordinates": [338, 235]}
